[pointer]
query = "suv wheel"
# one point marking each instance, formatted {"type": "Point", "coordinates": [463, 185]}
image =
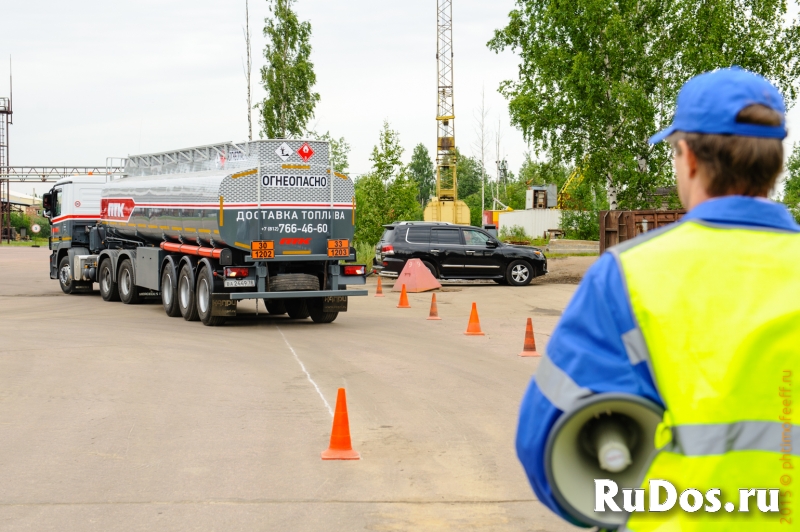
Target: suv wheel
{"type": "Point", "coordinates": [432, 268]}
{"type": "Point", "coordinates": [519, 273]}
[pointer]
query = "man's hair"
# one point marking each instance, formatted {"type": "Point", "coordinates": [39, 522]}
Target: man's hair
{"type": "Point", "coordinates": [748, 166]}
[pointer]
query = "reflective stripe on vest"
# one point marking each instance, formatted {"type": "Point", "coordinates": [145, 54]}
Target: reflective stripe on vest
{"type": "Point", "coordinates": [719, 312]}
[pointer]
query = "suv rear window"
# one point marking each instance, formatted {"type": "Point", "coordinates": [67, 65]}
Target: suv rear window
{"type": "Point", "coordinates": [387, 235]}
{"type": "Point", "coordinates": [419, 235]}
{"type": "Point", "coordinates": [445, 236]}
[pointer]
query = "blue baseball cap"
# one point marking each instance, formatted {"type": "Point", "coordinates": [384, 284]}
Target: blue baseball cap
{"type": "Point", "coordinates": [709, 103]}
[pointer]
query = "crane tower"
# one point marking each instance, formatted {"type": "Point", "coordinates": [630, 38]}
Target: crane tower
{"type": "Point", "coordinates": [445, 207]}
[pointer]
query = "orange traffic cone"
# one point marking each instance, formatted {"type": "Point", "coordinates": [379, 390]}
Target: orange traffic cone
{"type": "Point", "coordinates": [340, 447]}
{"type": "Point", "coordinates": [529, 348]}
{"type": "Point", "coordinates": [434, 310]}
{"type": "Point", "coordinates": [474, 326]}
{"type": "Point", "coordinates": [379, 292]}
{"type": "Point", "coordinates": [403, 299]}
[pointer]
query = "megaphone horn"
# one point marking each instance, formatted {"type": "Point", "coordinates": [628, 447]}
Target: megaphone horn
{"type": "Point", "coordinates": [606, 436]}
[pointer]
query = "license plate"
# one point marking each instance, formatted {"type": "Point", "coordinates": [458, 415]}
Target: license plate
{"type": "Point", "coordinates": [236, 283]}
{"type": "Point", "coordinates": [334, 304]}
{"type": "Point", "coordinates": [339, 248]}
{"type": "Point", "coordinates": [262, 249]}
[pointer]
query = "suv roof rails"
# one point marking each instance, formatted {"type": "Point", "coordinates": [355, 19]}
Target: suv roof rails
{"type": "Point", "coordinates": [391, 225]}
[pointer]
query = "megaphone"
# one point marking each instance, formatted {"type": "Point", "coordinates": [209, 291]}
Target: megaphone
{"type": "Point", "coordinates": [606, 436]}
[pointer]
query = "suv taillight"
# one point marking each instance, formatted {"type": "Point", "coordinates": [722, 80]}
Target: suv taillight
{"type": "Point", "coordinates": [354, 270]}
{"type": "Point", "coordinates": [387, 249]}
{"type": "Point", "coordinates": [237, 272]}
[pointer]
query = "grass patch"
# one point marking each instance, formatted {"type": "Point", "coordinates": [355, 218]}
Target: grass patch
{"type": "Point", "coordinates": [565, 255]}
{"type": "Point", "coordinates": [41, 242]}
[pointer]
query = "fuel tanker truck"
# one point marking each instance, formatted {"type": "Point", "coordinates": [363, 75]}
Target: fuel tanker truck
{"type": "Point", "coordinates": [206, 227]}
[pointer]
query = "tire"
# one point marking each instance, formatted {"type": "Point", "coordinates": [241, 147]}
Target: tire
{"type": "Point", "coordinates": [289, 282]}
{"type": "Point", "coordinates": [203, 291]}
{"type": "Point", "coordinates": [70, 286]}
{"type": "Point", "coordinates": [519, 273]}
{"type": "Point", "coordinates": [128, 291]}
{"type": "Point", "coordinates": [297, 309]}
{"type": "Point", "coordinates": [315, 311]}
{"type": "Point", "coordinates": [186, 300]}
{"type": "Point", "coordinates": [169, 291]}
{"type": "Point", "coordinates": [276, 307]}
{"type": "Point", "coordinates": [432, 268]}
{"type": "Point", "coordinates": [109, 290]}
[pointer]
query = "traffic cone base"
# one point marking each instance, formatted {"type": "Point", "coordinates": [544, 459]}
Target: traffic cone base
{"type": "Point", "coordinates": [403, 299]}
{"type": "Point", "coordinates": [529, 347]}
{"type": "Point", "coordinates": [434, 315]}
{"type": "Point", "coordinates": [474, 325]}
{"type": "Point", "coordinates": [340, 447]}
{"type": "Point", "coordinates": [379, 292]}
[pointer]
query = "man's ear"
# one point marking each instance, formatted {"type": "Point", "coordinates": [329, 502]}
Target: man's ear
{"type": "Point", "coordinates": [691, 158]}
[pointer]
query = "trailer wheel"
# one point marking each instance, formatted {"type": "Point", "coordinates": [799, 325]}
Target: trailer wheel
{"type": "Point", "coordinates": [315, 311]}
{"type": "Point", "coordinates": [297, 309]}
{"type": "Point", "coordinates": [128, 292]}
{"type": "Point", "coordinates": [275, 307]}
{"type": "Point", "coordinates": [186, 299]}
{"type": "Point", "coordinates": [109, 290]}
{"type": "Point", "coordinates": [205, 287]}
{"type": "Point", "coordinates": [169, 291]}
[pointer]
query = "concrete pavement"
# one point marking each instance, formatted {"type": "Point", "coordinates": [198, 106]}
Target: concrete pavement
{"type": "Point", "coordinates": [117, 417]}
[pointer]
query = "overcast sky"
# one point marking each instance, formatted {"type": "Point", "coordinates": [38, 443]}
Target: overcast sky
{"type": "Point", "coordinates": [96, 79]}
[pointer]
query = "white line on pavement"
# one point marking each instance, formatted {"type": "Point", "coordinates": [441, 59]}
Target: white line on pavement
{"type": "Point", "coordinates": [330, 410]}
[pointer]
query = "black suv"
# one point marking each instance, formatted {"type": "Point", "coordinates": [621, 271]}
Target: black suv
{"type": "Point", "coordinates": [456, 252]}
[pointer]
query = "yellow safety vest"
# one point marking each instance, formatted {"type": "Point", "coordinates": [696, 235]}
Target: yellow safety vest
{"type": "Point", "coordinates": [719, 311]}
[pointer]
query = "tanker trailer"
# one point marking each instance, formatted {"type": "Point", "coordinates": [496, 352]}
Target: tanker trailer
{"type": "Point", "coordinates": [206, 227]}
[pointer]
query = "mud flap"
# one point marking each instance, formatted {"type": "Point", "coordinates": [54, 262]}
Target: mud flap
{"type": "Point", "coordinates": [334, 304]}
{"type": "Point", "coordinates": [223, 305]}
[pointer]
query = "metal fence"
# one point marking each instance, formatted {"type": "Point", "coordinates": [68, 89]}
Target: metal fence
{"type": "Point", "coordinates": [619, 226]}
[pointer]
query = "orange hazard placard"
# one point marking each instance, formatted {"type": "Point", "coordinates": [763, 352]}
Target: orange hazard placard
{"type": "Point", "coordinates": [339, 248]}
{"type": "Point", "coordinates": [262, 249]}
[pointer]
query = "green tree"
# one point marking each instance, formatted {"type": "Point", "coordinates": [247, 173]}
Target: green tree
{"type": "Point", "coordinates": [340, 149]}
{"type": "Point", "coordinates": [598, 77]}
{"type": "Point", "coordinates": [385, 194]}
{"type": "Point", "coordinates": [288, 75]}
{"type": "Point", "coordinates": [469, 174]}
{"type": "Point", "coordinates": [420, 171]}
{"type": "Point", "coordinates": [791, 186]}
{"type": "Point", "coordinates": [543, 172]}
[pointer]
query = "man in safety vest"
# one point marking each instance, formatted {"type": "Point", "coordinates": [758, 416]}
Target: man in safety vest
{"type": "Point", "coordinates": [701, 317]}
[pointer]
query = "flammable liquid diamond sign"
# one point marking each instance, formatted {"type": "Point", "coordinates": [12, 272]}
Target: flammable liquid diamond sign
{"type": "Point", "coordinates": [305, 152]}
{"type": "Point", "coordinates": [284, 151]}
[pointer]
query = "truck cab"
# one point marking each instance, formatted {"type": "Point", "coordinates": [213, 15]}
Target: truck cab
{"type": "Point", "coordinates": [73, 207]}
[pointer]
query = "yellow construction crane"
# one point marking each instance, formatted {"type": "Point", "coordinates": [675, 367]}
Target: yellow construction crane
{"type": "Point", "coordinates": [445, 207]}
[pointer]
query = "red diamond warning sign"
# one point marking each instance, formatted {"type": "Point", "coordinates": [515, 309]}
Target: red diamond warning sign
{"type": "Point", "coordinates": [305, 152]}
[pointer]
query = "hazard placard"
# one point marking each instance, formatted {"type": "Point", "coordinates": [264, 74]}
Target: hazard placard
{"type": "Point", "coordinates": [284, 152]}
{"type": "Point", "coordinates": [305, 152]}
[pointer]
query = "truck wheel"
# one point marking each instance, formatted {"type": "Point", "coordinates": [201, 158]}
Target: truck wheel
{"type": "Point", "coordinates": [205, 287]}
{"type": "Point", "coordinates": [519, 273]}
{"type": "Point", "coordinates": [108, 288]}
{"type": "Point", "coordinates": [297, 309]}
{"type": "Point", "coordinates": [275, 307]}
{"type": "Point", "coordinates": [169, 291]}
{"type": "Point", "coordinates": [317, 315]}
{"type": "Point", "coordinates": [70, 286]}
{"type": "Point", "coordinates": [288, 282]}
{"type": "Point", "coordinates": [128, 291]}
{"type": "Point", "coordinates": [186, 300]}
